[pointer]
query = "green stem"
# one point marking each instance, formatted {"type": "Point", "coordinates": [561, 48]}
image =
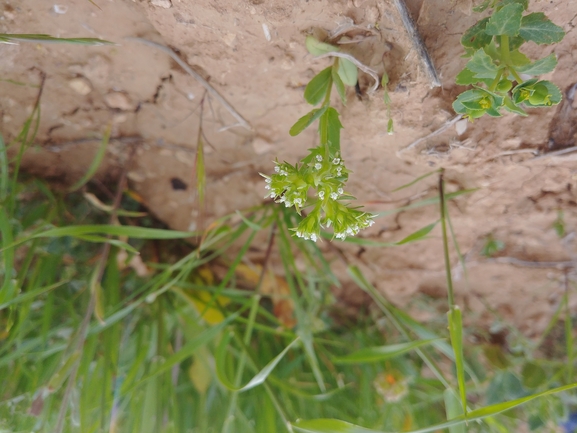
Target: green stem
{"type": "Point", "coordinates": [516, 75]}
{"type": "Point", "coordinates": [445, 241]}
{"type": "Point", "coordinates": [495, 82]}
{"type": "Point", "coordinates": [506, 57]}
{"type": "Point", "coordinates": [505, 50]}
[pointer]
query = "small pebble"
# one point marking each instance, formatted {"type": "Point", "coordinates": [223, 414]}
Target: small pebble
{"type": "Point", "coordinates": [166, 4]}
{"type": "Point", "coordinates": [60, 9]}
{"type": "Point", "coordinates": [80, 85]}
{"type": "Point", "coordinates": [261, 146]}
{"type": "Point", "coordinates": [118, 100]}
{"type": "Point", "coordinates": [461, 126]}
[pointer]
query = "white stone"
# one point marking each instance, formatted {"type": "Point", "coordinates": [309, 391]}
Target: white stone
{"type": "Point", "coordinates": [119, 100]}
{"type": "Point", "coordinates": [261, 146]}
{"type": "Point", "coordinates": [166, 4]}
{"type": "Point", "coordinates": [461, 126]}
{"type": "Point", "coordinates": [80, 85]}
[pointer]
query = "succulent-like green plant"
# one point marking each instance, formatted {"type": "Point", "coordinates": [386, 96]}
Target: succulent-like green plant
{"type": "Point", "coordinates": [502, 76]}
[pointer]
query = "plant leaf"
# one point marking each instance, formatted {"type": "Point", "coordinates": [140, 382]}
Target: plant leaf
{"type": "Point", "coordinates": [333, 131]}
{"type": "Point", "coordinates": [337, 426]}
{"type": "Point", "coordinates": [539, 67]}
{"type": "Point", "coordinates": [466, 77]}
{"type": "Point", "coordinates": [95, 162]}
{"type": "Point", "coordinates": [418, 235]}
{"type": "Point", "coordinates": [420, 178]}
{"type": "Point", "coordinates": [318, 87]}
{"type": "Point", "coordinates": [518, 59]}
{"type": "Point", "coordinates": [339, 85]}
{"type": "Point", "coordinates": [510, 106]}
{"type": "Point", "coordinates": [476, 37]}
{"type": "Point", "coordinates": [258, 379]}
{"type": "Point", "coordinates": [305, 121]}
{"type": "Point", "coordinates": [348, 72]}
{"type": "Point", "coordinates": [325, 425]}
{"type": "Point", "coordinates": [505, 21]}
{"type": "Point", "coordinates": [524, 3]}
{"type": "Point", "coordinates": [482, 65]}
{"type": "Point", "coordinates": [381, 353]}
{"type": "Point", "coordinates": [456, 332]}
{"type": "Point", "coordinates": [317, 48]}
{"type": "Point", "coordinates": [538, 28]}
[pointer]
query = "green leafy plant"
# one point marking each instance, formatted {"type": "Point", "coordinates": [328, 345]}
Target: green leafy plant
{"type": "Point", "coordinates": [492, 246]}
{"type": "Point", "coordinates": [323, 169]}
{"type": "Point", "coordinates": [501, 75]}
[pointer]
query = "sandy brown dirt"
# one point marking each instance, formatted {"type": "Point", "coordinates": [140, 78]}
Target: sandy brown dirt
{"type": "Point", "coordinates": [252, 52]}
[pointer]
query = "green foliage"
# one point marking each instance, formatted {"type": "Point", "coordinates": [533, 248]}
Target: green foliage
{"type": "Point", "coordinates": [492, 246]}
{"type": "Point", "coordinates": [496, 63]}
{"type": "Point", "coordinates": [323, 170]}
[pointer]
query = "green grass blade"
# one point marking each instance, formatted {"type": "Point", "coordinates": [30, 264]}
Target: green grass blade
{"type": "Point", "coordinates": [8, 288]}
{"type": "Point", "coordinates": [426, 202]}
{"type": "Point", "coordinates": [392, 315]}
{"type": "Point", "coordinates": [418, 235]}
{"type": "Point", "coordinates": [32, 294]}
{"type": "Point", "coordinates": [568, 334]}
{"type": "Point", "coordinates": [95, 162]}
{"type": "Point", "coordinates": [104, 229]}
{"type": "Point", "coordinates": [200, 169]}
{"type": "Point", "coordinates": [337, 426]}
{"type": "Point", "coordinates": [185, 352]}
{"type": "Point", "coordinates": [10, 38]}
{"type": "Point", "coordinates": [329, 426]}
{"type": "Point", "coordinates": [381, 353]}
{"type": "Point", "coordinates": [3, 171]}
{"type": "Point", "coordinates": [456, 332]}
{"type": "Point", "coordinates": [417, 180]}
{"type": "Point", "coordinates": [258, 379]}
{"type": "Point", "coordinates": [453, 409]}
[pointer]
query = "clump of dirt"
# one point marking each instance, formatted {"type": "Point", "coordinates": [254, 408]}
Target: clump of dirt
{"type": "Point", "coordinates": [253, 54]}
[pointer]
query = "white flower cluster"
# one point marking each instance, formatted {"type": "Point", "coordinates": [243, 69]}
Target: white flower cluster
{"type": "Point", "coordinates": [290, 185]}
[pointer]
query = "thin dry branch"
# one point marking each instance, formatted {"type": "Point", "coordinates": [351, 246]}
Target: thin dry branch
{"type": "Point", "coordinates": [443, 128]}
{"type": "Point", "coordinates": [211, 90]}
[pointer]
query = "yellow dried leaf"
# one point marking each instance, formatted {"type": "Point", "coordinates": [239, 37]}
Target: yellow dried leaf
{"type": "Point", "coordinates": [200, 375]}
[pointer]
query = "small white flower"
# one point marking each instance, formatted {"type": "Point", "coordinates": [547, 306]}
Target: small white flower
{"type": "Point", "coordinates": [339, 170]}
{"type": "Point", "coordinates": [321, 194]}
{"type": "Point", "coordinates": [287, 203]}
{"type": "Point", "coordinates": [267, 187]}
{"type": "Point", "coordinates": [318, 165]}
{"type": "Point", "coordinates": [319, 158]}
{"type": "Point", "coordinates": [371, 222]}
{"type": "Point", "coordinates": [334, 195]}
{"type": "Point", "coordinates": [277, 168]}
{"type": "Point", "coordinates": [340, 190]}
{"type": "Point", "coordinates": [341, 235]}
{"type": "Point", "coordinates": [283, 173]}
{"type": "Point", "coordinates": [268, 180]}
{"type": "Point", "coordinates": [272, 194]}
{"type": "Point", "coordinates": [313, 237]}
{"type": "Point", "coordinates": [298, 201]}
{"type": "Point", "coordinates": [336, 161]}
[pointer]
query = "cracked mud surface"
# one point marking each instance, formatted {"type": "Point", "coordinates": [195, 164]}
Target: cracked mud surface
{"type": "Point", "coordinates": [253, 53]}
